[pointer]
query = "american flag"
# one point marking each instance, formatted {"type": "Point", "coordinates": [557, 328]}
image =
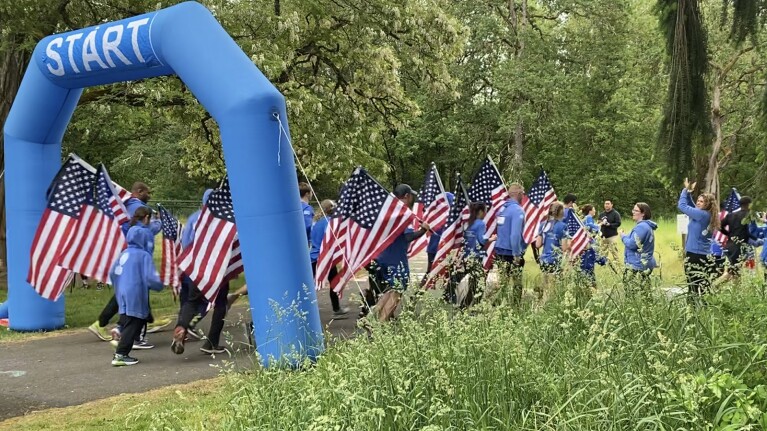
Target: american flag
{"type": "Point", "coordinates": [123, 194]}
{"type": "Point", "coordinates": [235, 267]}
{"type": "Point", "coordinates": [452, 237]}
{"type": "Point", "coordinates": [732, 204]}
{"type": "Point", "coordinates": [488, 187]}
{"type": "Point", "coordinates": [206, 260]}
{"type": "Point", "coordinates": [65, 197]}
{"type": "Point", "coordinates": [432, 207]}
{"type": "Point", "coordinates": [97, 239]}
{"type": "Point", "coordinates": [171, 249]}
{"type": "Point", "coordinates": [368, 218]}
{"type": "Point", "coordinates": [579, 237]}
{"type": "Point", "coordinates": [536, 205]}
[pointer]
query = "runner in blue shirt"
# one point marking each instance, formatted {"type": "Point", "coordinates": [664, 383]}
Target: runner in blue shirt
{"type": "Point", "coordinates": [552, 237]}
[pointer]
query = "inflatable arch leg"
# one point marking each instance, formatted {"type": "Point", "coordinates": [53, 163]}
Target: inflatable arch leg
{"type": "Point", "coordinates": [185, 40]}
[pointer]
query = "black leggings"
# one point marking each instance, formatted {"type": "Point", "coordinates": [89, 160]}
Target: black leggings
{"type": "Point", "coordinates": [131, 329]}
{"type": "Point", "coordinates": [699, 269]}
{"type": "Point", "coordinates": [110, 310]}
{"type": "Point", "coordinates": [335, 301]}
{"type": "Point", "coordinates": [193, 303]}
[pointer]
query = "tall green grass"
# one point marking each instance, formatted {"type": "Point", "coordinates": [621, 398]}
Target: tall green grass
{"type": "Point", "coordinates": [614, 361]}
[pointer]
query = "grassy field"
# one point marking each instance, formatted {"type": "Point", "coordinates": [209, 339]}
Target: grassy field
{"type": "Point", "coordinates": [604, 360]}
{"type": "Point", "coordinates": [612, 361]}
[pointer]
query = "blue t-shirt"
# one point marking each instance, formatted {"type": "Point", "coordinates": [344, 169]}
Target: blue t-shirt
{"type": "Point", "coordinates": [393, 261]}
{"type": "Point", "coordinates": [553, 234]}
{"type": "Point", "coordinates": [474, 240]}
{"type": "Point", "coordinates": [318, 233]}
{"type": "Point", "coordinates": [308, 212]}
{"type": "Point", "coordinates": [396, 253]}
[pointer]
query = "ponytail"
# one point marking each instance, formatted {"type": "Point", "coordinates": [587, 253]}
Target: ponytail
{"type": "Point", "coordinates": [140, 214]}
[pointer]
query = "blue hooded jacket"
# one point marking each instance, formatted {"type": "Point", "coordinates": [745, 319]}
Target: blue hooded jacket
{"type": "Point", "coordinates": [511, 225]}
{"type": "Point", "coordinates": [591, 226]}
{"type": "Point", "coordinates": [640, 246]}
{"type": "Point", "coordinates": [132, 204]}
{"type": "Point", "coordinates": [698, 236]}
{"type": "Point", "coordinates": [433, 245]}
{"type": "Point", "coordinates": [133, 274]}
{"type": "Point", "coordinates": [187, 235]}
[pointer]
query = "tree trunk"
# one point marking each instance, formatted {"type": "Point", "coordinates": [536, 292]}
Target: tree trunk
{"type": "Point", "coordinates": [12, 64]}
{"type": "Point", "coordinates": [712, 175]}
{"type": "Point", "coordinates": [519, 141]}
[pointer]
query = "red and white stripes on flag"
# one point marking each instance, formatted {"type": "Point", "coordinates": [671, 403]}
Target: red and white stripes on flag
{"type": "Point", "coordinates": [171, 250]}
{"type": "Point", "coordinates": [66, 195]}
{"type": "Point", "coordinates": [206, 260]}
{"type": "Point", "coordinates": [432, 207]}
{"type": "Point", "coordinates": [452, 236]}
{"type": "Point", "coordinates": [367, 220]}
{"type": "Point", "coordinates": [536, 205]}
{"type": "Point", "coordinates": [732, 204]}
{"type": "Point", "coordinates": [98, 239]}
{"type": "Point", "coordinates": [579, 237]}
{"type": "Point", "coordinates": [332, 249]}
{"type": "Point", "coordinates": [488, 187]}
{"type": "Point", "coordinates": [235, 267]}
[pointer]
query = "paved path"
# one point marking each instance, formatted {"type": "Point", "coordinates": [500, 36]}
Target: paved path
{"type": "Point", "coordinates": [73, 369]}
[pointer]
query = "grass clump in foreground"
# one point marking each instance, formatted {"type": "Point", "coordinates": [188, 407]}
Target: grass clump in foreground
{"type": "Point", "coordinates": [609, 362]}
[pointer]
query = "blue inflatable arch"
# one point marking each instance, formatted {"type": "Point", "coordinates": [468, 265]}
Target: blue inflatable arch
{"type": "Point", "coordinates": [185, 40]}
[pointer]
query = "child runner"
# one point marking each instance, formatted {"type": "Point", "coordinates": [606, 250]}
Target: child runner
{"type": "Point", "coordinates": [133, 274]}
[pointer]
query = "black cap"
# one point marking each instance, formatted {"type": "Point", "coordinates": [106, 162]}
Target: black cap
{"type": "Point", "coordinates": [404, 189]}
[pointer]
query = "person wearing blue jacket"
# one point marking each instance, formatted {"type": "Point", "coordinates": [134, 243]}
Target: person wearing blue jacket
{"type": "Point", "coordinates": [305, 191]}
{"type": "Point", "coordinates": [510, 245]}
{"type": "Point", "coordinates": [588, 211]}
{"type": "Point", "coordinates": [140, 198]}
{"type": "Point", "coordinates": [699, 265]}
{"type": "Point", "coordinates": [318, 234]}
{"type": "Point", "coordinates": [140, 195]}
{"type": "Point", "coordinates": [474, 243]}
{"type": "Point", "coordinates": [133, 274]}
{"type": "Point", "coordinates": [140, 220]}
{"type": "Point", "coordinates": [639, 253]}
{"type": "Point", "coordinates": [553, 238]}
